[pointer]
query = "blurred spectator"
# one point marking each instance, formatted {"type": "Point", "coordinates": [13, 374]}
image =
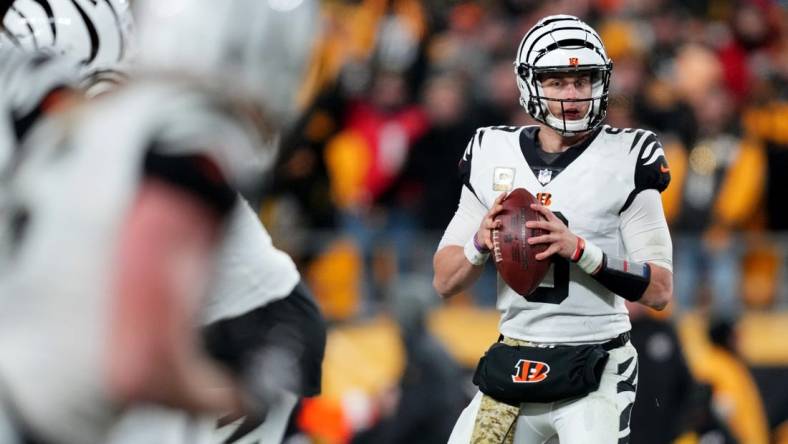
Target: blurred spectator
{"type": "Point", "coordinates": [660, 107]}
{"type": "Point", "coordinates": [499, 98]}
{"type": "Point", "coordinates": [430, 392]}
{"type": "Point", "coordinates": [719, 181]}
{"type": "Point", "coordinates": [434, 156]}
{"type": "Point", "coordinates": [765, 122]}
{"type": "Point", "coordinates": [365, 160]}
{"type": "Point", "coordinates": [735, 396]}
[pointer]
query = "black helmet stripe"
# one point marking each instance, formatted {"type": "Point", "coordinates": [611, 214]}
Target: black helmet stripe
{"type": "Point", "coordinates": [94, 38]}
{"type": "Point", "coordinates": [536, 40]}
{"type": "Point", "coordinates": [11, 37]}
{"type": "Point", "coordinates": [27, 23]}
{"type": "Point", "coordinates": [542, 25]}
{"type": "Point", "coordinates": [548, 33]}
{"type": "Point", "coordinates": [568, 43]}
{"type": "Point", "coordinates": [121, 37]}
{"type": "Point", "coordinates": [50, 16]}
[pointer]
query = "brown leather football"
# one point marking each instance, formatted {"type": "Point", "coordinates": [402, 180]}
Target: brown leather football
{"type": "Point", "coordinates": [514, 257]}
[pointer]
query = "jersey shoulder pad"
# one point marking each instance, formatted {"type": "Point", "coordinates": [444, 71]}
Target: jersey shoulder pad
{"type": "Point", "coordinates": [466, 161]}
{"type": "Point", "coordinates": [196, 124]}
{"type": "Point", "coordinates": [651, 166]}
{"type": "Point", "coordinates": [651, 169]}
{"type": "Point", "coordinates": [644, 149]}
{"type": "Point", "coordinates": [478, 145]}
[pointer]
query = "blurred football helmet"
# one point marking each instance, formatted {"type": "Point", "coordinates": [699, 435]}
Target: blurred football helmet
{"type": "Point", "coordinates": [27, 78]}
{"type": "Point", "coordinates": [563, 44]}
{"type": "Point", "coordinates": [96, 34]}
{"type": "Point", "coordinates": [251, 49]}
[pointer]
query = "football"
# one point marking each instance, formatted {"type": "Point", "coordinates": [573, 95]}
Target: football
{"type": "Point", "coordinates": [514, 257]}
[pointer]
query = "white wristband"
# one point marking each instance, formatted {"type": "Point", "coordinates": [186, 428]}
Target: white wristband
{"type": "Point", "coordinates": [591, 259]}
{"type": "Point", "coordinates": [473, 255]}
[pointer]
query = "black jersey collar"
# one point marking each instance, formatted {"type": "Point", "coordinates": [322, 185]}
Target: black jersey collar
{"type": "Point", "coordinates": [529, 145]}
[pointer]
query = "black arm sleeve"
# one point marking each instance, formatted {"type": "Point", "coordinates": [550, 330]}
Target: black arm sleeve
{"type": "Point", "coordinates": [195, 174]}
{"type": "Point", "coordinates": [626, 279]}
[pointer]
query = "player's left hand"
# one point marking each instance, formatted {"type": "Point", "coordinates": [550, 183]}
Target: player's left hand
{"type": "Point", "coordinates": [560, 240]}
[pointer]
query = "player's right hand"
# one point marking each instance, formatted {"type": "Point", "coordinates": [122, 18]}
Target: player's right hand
{"type": "Point", "coordinates": [484, 235]}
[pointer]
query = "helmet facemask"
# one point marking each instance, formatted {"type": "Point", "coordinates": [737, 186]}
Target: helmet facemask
{"type": "Point", "coordinates": [537, 103]}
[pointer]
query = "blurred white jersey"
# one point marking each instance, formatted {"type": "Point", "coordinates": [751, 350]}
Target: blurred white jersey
{"type": "Point", "coordinates": [588, 186]}
{"type": "Point", "coordinates": [68, 200]}
{"type": "Point", "coordinates": [26, 79]}
{"type": "Point", "coordinates": [251, 272]}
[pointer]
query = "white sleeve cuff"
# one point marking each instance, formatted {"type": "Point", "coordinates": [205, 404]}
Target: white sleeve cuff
{"type": "Point", "coordinates": [473, 255]}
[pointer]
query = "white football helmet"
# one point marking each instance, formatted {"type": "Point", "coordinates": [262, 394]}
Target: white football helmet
{"type": "Point", "coordinates": [26, 78]}
{"type": "Point", "coordinates": [563, 43]}
{"type": "Point", "coordinates": [252, 49]}
{"type": "Point", "coordinates": [95, 34]}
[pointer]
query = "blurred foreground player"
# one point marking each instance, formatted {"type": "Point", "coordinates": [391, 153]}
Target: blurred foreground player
{"type": "Point", "coordinates": [95, 35]}
{"type": "Point", "coordinates": [52, 46]}
{"type": "Point", "coordinates": [36, 78]}
{"type": "Point", "coordinates": [156, 222]}
{"type": "Point", "coordinates": [261, 321]}
{"type": "Point", "coordinates": [564, 368]}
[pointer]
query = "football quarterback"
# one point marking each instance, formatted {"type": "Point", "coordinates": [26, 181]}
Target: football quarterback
{"type": "Point", "coordinates": [563, 368]}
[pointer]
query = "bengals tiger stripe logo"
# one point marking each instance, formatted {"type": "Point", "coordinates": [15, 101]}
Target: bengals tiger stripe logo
{"type": "Point", "coordinates": [544, 199]}
{"type": "Point", "coordinates": [526, 371]}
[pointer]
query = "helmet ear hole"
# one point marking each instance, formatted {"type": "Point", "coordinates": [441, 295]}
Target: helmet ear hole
{"type": "Point", "coordinates": [533, 107]}
{"type": "Point", "coordinates": [522, 71]}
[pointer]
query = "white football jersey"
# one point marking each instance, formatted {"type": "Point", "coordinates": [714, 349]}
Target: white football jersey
{"type": "Point", "coordinates": [588, 187]}
{"type": "Point", "coordinates": [67, 202]}
{"type": "Point", "coordinates": [251, 272]}
{"type": "Point", "coordinates": [26, 79]}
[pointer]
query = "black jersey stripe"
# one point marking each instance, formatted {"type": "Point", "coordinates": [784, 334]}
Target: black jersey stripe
{"type": "Point", "coordinates": [638, 135]}
{"type": "Point", "coordinates": [480, 137]}
{"type": "Point", "coordinates": [644, 143]}
{"type": "Point", "coordinates": [624, 366]}
{"type": "Point", "coordinates": [623, 420]}
{"type": "Point", "coordinates": [629, 200]}
{"type": "Point", "coordinates": [464, 166]}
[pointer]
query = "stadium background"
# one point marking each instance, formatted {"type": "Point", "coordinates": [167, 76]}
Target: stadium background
{"type": "Point", "coordinates": [367, 181]}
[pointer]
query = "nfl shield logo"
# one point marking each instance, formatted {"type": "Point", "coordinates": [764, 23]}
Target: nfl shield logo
{"type": "Point", "coordinates": [545, 176]}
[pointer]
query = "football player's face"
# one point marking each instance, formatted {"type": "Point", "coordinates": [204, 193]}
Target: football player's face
{"type": "Point", "coordinates": [567, 86]}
